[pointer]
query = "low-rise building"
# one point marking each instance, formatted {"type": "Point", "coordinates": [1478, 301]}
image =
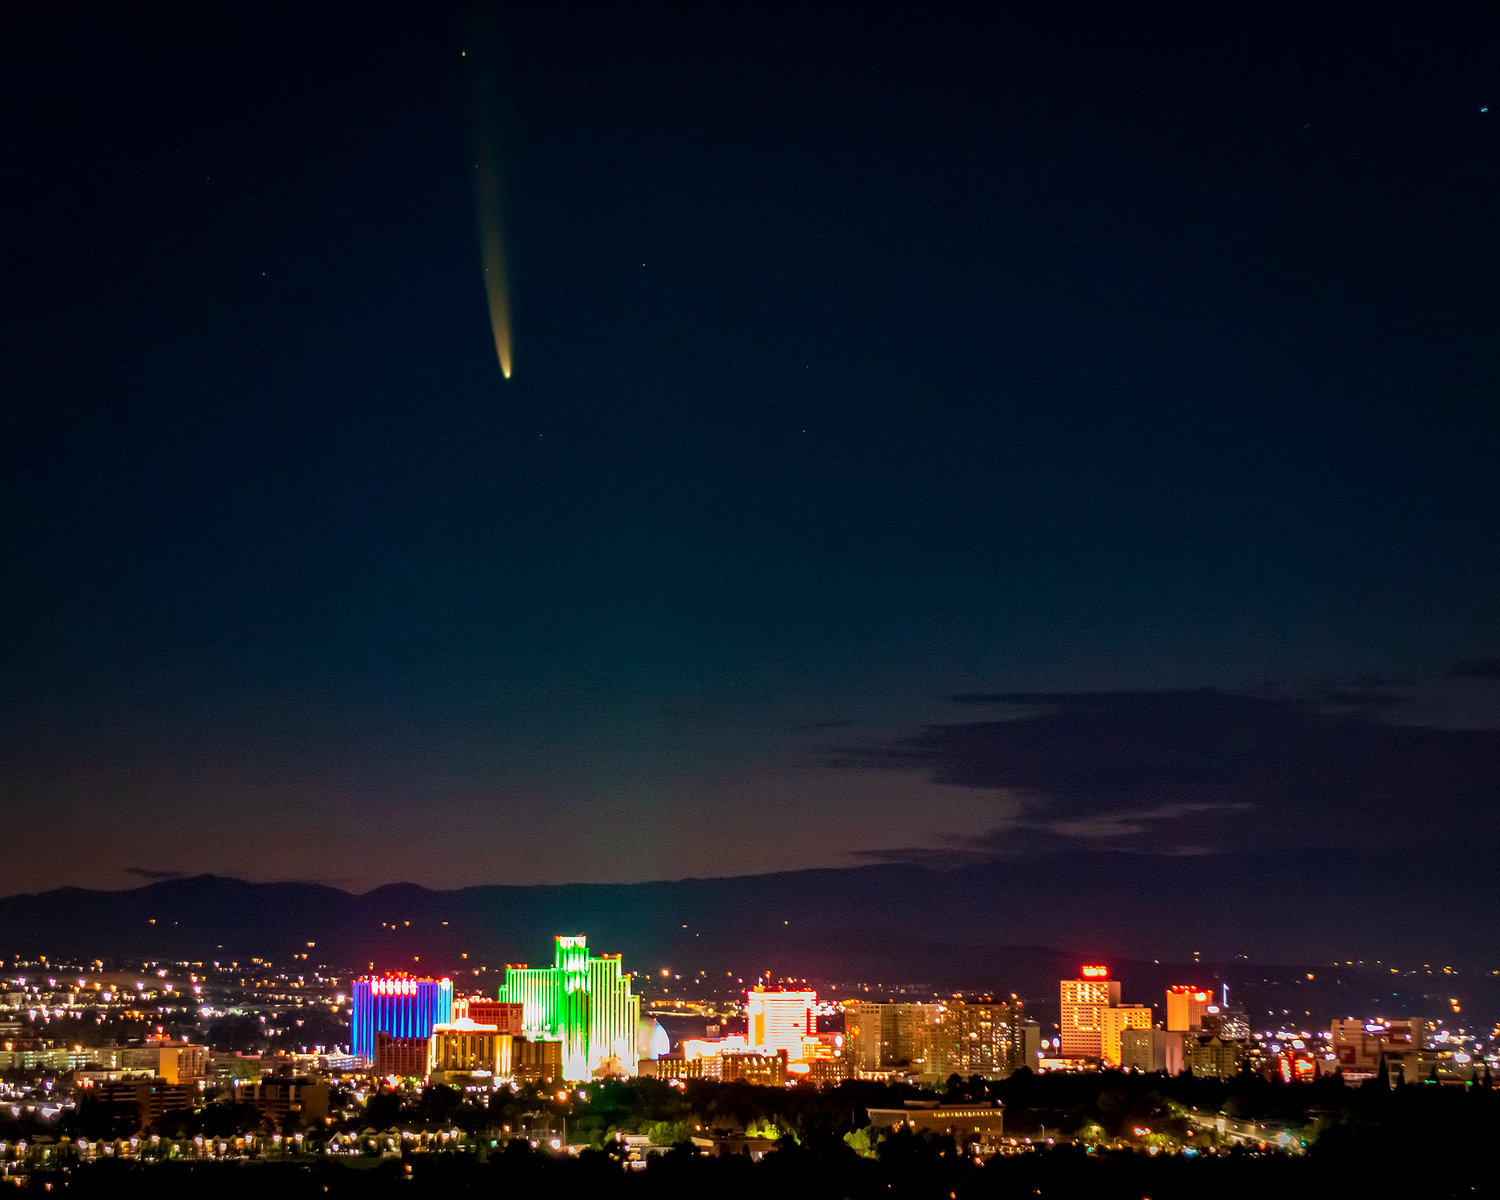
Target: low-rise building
{"type": "Point", "coordinates": [404, 1057]}
{"type": "Point", "coordinates": [286, 1102]}
{"type": "Point", "coordinates": [769, 1069]}
{"type": "Point", "coordinates": [144, 1099]}
{"type": "Point", "coordinates": [979, 1125]}
{"type": "Point", "coordinates": [537, 1061]}
{"type": "Point", "coordinates": [1361, 1045]}
{"type": "Point", "coordinates": [1152, 1050]}
{"type": "Point", "coordinates": [468, 1051]}
{"type": "Point", "coordinates": [1213, 1057]}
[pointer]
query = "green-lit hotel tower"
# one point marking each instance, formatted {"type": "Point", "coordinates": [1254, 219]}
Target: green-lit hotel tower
{"type": "Point", "coordinates": [581, 1001]}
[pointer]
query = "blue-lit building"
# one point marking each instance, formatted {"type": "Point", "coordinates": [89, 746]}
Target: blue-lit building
{"type": "Point", "coordinates": [398, 1005]}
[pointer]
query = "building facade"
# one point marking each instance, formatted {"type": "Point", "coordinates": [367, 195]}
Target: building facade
{"type": "Point", "coordinates": [1212, 1057]}
{"type": "Point", "coordinates": [1113, 1022]}
{"type": "Point", "coordinates": [286, 1102]}
{"type": "Point", "coordinates": [583, 1001]}
{"type": "Point", "coordinates": [988, 1039]}
{"type": "Point", "coordinates": [882, 1039]}
{"type": "Point", "coordinates": [468, 1048]}
{"type": "Point", "coordinates": [182, 1062]}
{"type": "Point", "coordinates": [405, 1058]}
{"type": "Point", "coordinates": [1081, 1029]}
{"type": "Point", "coordinates": [766, 1068]}
{"type": "Point", "coordinates": [980, 1125]}
{"type": "Point", "coordinates": [536, 1061]}
{"type": "Point", "coordinates": [1361, 1045]}
{"type": "Point", "coordinates": [1149, 1050]}
{"type": "Point", "coordinates": [507, 1018]}
{"type": "Point", "coordinates": [1226, 1022]}
{"type": "Point", "coordinates": [779, 1019]}
{"type": "Point", "coordinates": [1185, 1007]}
{"type": "Point", "coordinates": [142, 1100]}
{"type": "Point", "coordinates": [399, 1005]}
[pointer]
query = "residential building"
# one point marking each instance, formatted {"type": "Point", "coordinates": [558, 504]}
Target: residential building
{"type": "Point", "coordinates": [884, 1039]}
{"type": "Point", "coordinates": [1213, 1057]}
{"type": "Point", "coordinates": [985, 1038]}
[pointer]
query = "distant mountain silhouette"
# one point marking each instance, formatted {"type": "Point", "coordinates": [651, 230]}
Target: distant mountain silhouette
{"type": "Point", "coordinates": [980, 926]}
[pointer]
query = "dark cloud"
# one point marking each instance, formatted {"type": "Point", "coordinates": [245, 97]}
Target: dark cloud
{"type": "Point", "coordinates": [1378, 681]}
{"type": "Point", "coordinates": [1476, 668]}
{"type": "Point", "coordinates": [814, 726]}
{"type": "Point", "coordinates": [1365, 699]}
{"type": "Point", "coordinates": [152, 876]}
{"type": "Point", "coordinates": [1193, 772]}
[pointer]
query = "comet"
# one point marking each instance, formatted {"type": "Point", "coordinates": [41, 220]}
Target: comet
{"type": "Point", "coordinates": [492, 259]}
{"type": "Point", "coordinates": [489, 192]}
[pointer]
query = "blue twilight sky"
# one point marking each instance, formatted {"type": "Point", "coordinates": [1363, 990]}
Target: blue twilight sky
{"type": "Point", "coordinates": [998, 429]}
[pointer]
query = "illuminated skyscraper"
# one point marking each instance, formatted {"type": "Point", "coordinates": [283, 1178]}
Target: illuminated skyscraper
{"type": "Point", "coordinates": [1113, 1021]}
{"type": "Point", "coordinates": [398, 1005]}
{"type": "Point", "coordinates": [779, 1020]}
{"type": "Point", "coordinates": [1082, 1027]}
{"type": "Point", "coordinates": [581, 1001]}
{"type": "Point", "coordinates": [1186, 1006]}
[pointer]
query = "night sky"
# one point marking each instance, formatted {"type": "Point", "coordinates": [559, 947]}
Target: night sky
{"type": "Point", "coordinates": [1040, 430]}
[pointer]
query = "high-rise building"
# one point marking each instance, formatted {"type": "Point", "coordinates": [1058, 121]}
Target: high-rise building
{"type": "Point", "coordinates": [399, 1005]}
{"type": "Point", "coordinates": [1083, 999]}
{"type": "Point", "coordinates": [1225, 1021]}
{"type": "Point", "coordinates": [983, 1038]}
{"type": "Point", "coordinates": [1113, 1021]}
{"type": "Point", "coordinates": [584, 1002]}
{"type": "Point", "coordinates": [1186, 1006]}
{"type": "Point", "coordinates": [779, 1019]}
{"type": "Point", "coordinates": [890, 1038]}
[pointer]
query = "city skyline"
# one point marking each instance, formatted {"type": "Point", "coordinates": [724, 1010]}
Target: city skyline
{"type": "Point", "coordinates": [1061, 438]}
